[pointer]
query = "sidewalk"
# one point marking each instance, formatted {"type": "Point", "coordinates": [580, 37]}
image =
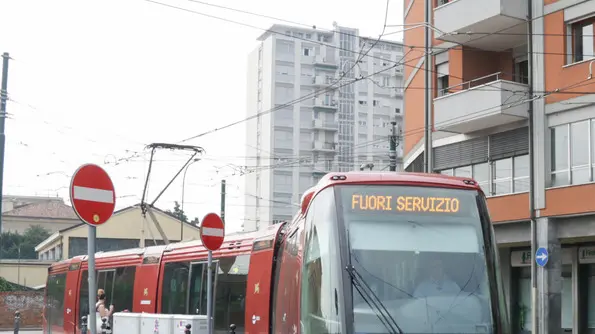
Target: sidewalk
{"type": "Point", "coordinates": [23, 331]}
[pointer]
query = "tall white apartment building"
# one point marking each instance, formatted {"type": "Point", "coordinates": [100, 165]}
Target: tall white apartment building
{"type": "Point", "coordinates": [293, 141]}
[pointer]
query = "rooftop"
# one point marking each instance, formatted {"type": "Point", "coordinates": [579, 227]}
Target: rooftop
{"type": "Point", "coordinates": [48, 209]}
{"type": "Point", "coordinates": [283, 28]}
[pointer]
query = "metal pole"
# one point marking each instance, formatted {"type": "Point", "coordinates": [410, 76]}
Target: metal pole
{"type": "Point", "coordinates": [428, 92]}
{"type": "Point", "coordinates": [534, 313]}
{"type": "Point", "coordinates": [223, 201]}
{"type": "Point", "coordinates": [17, 322]}
{"type": "Point", "coordinates": [393, 147]}
{"type": "Point", "coordinates": [19, 267]}
{"type": "Point", "coordinates": [3, 100]}
{"type": "Point", "coordinates": [92, 288]}
{"type": "Point", "coordinates": [210, 293]}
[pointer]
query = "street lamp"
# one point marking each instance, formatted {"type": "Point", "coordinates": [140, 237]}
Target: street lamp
{"type": "Point", "coordinates": [182, 206]}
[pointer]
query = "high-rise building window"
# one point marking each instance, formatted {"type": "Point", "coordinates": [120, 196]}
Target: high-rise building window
{"type": "Point", "coordinates": [442, 73]}
{"type": "Point", "coordinates": [573, 153]}
{"type": "Point", "coordinates": [579, 153]}
{"type": "Point", "coordinates": [583, 43]}
{"type": "Point", "coordinates": [559, 155]}
{"type": "Point", "coordinates": [497, 177]}
{"type": "Point", "coordinates": [502, 176]}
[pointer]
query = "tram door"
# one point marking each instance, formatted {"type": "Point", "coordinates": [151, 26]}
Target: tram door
{"type": "Point", "coordinates": [197, 298]}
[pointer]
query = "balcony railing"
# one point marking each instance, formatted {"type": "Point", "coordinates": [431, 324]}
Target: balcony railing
{"type": "Point", "coordinates": [324, 146]}
{"type": "Point", "coordinates": [322, 80]}
{"type": "Point", "coordinates": [323, 103]}
{"type": "Point", "coordinates": [471, 83]}
{"type": "Point", "coordinates": [322, 167]}
{"type": "Point", "coordinates": [324, 61]}
{"type": "Point", "coordinates": [325, 125]}
{"type": "Point", "coordinates": [479, 104]}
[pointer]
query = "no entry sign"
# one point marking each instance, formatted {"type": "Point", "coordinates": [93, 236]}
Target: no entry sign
{"type": "Point", "coordinates": [212, 231]}
{"type": "Point", "coordinates": [92, 194]}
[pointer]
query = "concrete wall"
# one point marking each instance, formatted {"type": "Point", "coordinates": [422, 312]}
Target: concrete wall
{"type": "Point", "coordinates": [29, 273]}
{"type": "Point", "coordinates": [28, 303]}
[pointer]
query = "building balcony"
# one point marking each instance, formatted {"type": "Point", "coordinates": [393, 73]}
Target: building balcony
{"type": "Point", "coordinates": [480, 104]}
{"type": "Point", "coordinates": [322, 167]}
{"type": "Point", "coordinates": [322, 81]}
{"type": "Point", "coordinates": [322, 103]}
{"type": "Point", "coordinates": [470, 22]}
{"type": "Point", "coordinates": [321, 61]}
{"type": "Point", "coordinates": [324, 146]}
{"type": "Point", "coordinates": [399, 70]}
{"type": "Point", "coordinates": [320, 124]}
{"type": "Point", "coordinates": [396, 92]}
{"type": "Point", "coordinates": [284, 78]}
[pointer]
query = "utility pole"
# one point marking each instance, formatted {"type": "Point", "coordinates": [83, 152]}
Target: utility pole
{"type": "Point", "coordinates": [428, 163]}
{"type": "Point", "coordinates": [393, 146]}
{"type": "Point", "coordinates": [223, 201]}
{"type": "Point", "coordinates": [3, 100]}
{"type": "Point", "coordinates": [534, 305]}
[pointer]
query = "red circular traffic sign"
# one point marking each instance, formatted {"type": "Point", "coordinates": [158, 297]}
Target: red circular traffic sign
{"type": "Point", "coordinates": [212, 231]}
{"type": "Point", "coordinates": [92, 194]}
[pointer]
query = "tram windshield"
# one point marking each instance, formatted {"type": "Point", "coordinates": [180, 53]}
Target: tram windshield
{"type": "Point", "coordinates": [419, 251]}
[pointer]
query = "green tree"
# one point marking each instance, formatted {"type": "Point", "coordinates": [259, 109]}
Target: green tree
{"type": "Point", "coordinates": [178, 213]}
{"type": "Point", "coordinates": [15, 245]}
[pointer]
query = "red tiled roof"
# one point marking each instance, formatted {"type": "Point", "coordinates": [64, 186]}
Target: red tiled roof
{"type": "Point", "coordinates": [49, 209]}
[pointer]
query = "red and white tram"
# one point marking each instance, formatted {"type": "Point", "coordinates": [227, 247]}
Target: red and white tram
{"type": "Point", "coordinates": [367, 253]}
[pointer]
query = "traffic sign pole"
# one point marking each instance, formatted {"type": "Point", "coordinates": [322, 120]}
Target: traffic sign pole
{"type": "Point", "coordinates": [210, 292]}
{"type": "Point", "coordinates": [212, 233]}
{"type": "Point", "coordinates": [93, 200]}
{"type": "Point", "coordinates": [92, 321]}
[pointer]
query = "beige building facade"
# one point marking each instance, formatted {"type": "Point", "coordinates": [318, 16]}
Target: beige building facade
{"type": "Point", "coordinates": [127, 228]}
{"type": "Point", "coordinates": [21, 212]}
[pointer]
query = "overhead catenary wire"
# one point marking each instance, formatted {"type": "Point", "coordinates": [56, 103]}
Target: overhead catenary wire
{"type": "Point", "coordinates": [315, 93]}
{"type": "Point", "coordinates": [290, 103]}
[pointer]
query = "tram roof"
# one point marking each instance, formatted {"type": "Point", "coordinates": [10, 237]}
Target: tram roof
{"type": "Point", "coordinates": [405, 178]}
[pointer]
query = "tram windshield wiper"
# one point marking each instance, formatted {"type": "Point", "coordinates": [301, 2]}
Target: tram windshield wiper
{"type": "Point", "coordinates": [373, 301]}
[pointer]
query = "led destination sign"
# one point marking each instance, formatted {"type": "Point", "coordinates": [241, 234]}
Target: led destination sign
{"type": "Point", "coordinates": [410, 204]}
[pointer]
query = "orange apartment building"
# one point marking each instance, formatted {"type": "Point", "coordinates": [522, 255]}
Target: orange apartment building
{"type": "Point", "coordinates": [480, 85]}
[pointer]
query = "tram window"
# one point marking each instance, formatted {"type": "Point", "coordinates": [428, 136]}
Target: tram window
{"type": "Point", "coordinates": [55, 299]}
{"type": "Point", "coordinates": [198, 283]}
{"type": "Point", "coordinates": [322, 270]}
{"type": "Point", "coordinates": [174, 289]}
{"type": "Point", "coordinates": [230, 296]}
{"type": "Point", "coordinates": [83, 296]}
{"type": "Point", "coordinates": [123, 288]}
{"type": "Point", "coordinates": [105, 281]}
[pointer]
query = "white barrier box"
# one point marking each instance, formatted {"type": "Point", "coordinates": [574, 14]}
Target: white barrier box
{"type": "Point", "coordinates": [156, 323]}
{"type": "Point", "coordinates": [126, 323]}
{"type": "Point", "coordinates": [198, 324]}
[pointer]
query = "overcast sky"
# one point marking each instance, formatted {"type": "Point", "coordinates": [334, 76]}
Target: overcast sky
{"type": "Point", "coordinates": [95, 81]}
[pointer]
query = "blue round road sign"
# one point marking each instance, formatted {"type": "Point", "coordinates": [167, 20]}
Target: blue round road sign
{"type": "Point", "coordinates": [541, 256]}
